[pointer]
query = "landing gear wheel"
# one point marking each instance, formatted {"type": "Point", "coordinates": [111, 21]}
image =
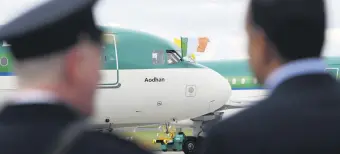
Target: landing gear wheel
{"type": "Point", "coordinates": [189, 145]}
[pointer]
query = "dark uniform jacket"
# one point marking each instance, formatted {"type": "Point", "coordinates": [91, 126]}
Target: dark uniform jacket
{"type": "Point", "coordinates": [32, 129]}
{"type": "Point", "coordinates": [302, 115]}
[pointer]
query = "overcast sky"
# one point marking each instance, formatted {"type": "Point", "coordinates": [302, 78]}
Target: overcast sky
{"type": "Point", "coordinates": [221, 20]}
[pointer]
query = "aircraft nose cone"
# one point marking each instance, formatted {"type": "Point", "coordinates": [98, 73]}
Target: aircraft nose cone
{"type": "Point", "coordinates": [222, 92]}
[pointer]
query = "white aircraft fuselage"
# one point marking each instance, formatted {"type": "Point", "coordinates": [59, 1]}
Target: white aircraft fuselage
{"type": "Point", "coordinates": [144, 81]}
{"type": "Point", "coordinates": [140, 102]}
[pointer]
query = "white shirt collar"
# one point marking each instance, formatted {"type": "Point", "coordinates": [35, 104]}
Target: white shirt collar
{"type": "Point", "coordinates": [32, 96]}
{"type": "Point", "coordinates": [295, 68]}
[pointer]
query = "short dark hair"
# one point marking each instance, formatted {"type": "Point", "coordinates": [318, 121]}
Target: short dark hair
{"type": "Point", "coordinates": [295, 27]}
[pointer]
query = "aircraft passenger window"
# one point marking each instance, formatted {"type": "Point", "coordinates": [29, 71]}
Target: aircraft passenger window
{"type": "Point", "coordinates": [255, 81]}
{"type": "Point", "coordinates": [173, 57]}
{"type": "Point", "coordinates": [243, 81]}
{"type": "Point", "coordinates": [158, 57]}
{"type": "Point", "coordinates": [234, 81]}
{"type": "Point", "coordinates": [333, 71]}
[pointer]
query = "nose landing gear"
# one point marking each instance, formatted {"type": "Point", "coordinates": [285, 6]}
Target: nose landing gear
{"type": "Point", "coordinates": [193, 144]}
{"type": "Point", "coordinates": [189, 145]}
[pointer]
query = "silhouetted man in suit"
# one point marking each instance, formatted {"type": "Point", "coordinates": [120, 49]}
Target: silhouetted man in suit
{"type": "Point", "coordinates": [56, 49]}
{"type": "Point", "coordinates": [302, 111]}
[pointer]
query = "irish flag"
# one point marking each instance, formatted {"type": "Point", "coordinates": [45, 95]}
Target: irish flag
{"type": "Point", "coordinates": [192, 46]}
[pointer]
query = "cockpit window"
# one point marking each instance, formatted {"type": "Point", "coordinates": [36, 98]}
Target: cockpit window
{"type": "Point", "coordinates": [173, 57]}
{"type": "Point", "coordinates": [158, 57]}
{"type": "Point", "coordinates": [108, 47]}
{"type": "Point", "coordinates": [109, 56]}
{"type": "Point", "coordinates": [108, 39]}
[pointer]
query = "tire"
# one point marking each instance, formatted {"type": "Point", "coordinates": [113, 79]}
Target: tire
{"type": "Point", "coordinates": [189, 145]}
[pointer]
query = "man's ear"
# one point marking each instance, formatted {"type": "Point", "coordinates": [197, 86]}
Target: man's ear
{"type": "Point", "coordinates": [72, 63]}
{"type": "Point", "coordinates": [259, 42]}
{"type": "Point", "coordinates": [266, 48]}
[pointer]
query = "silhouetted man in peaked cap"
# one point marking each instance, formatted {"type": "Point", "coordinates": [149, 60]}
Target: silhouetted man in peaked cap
{"type": "Point", "coordinates": [56, 49]}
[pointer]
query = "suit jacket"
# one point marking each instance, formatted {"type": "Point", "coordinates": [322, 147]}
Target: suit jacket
{"type": "Point", "coordinates": [301, 115]}
{"type": "Point", "coordinates": [32, 128]}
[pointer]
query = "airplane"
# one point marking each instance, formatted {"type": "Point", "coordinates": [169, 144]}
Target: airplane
{"type": "Point", "coordinates": [144, 81]}
{"type": "Point", "coordinates": [147, 81]}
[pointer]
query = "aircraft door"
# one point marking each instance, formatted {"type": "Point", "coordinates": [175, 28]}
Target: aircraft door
{"type": "Point", "coordinates": [110, 71]}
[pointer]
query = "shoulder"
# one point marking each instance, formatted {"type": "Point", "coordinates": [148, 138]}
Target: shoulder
{"type": "Point", "coordinates": [229, 134]}
{"type": "Point", "coordinates": [246, 120]}
{"type": "Point", "coordinates": [110, 142]}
